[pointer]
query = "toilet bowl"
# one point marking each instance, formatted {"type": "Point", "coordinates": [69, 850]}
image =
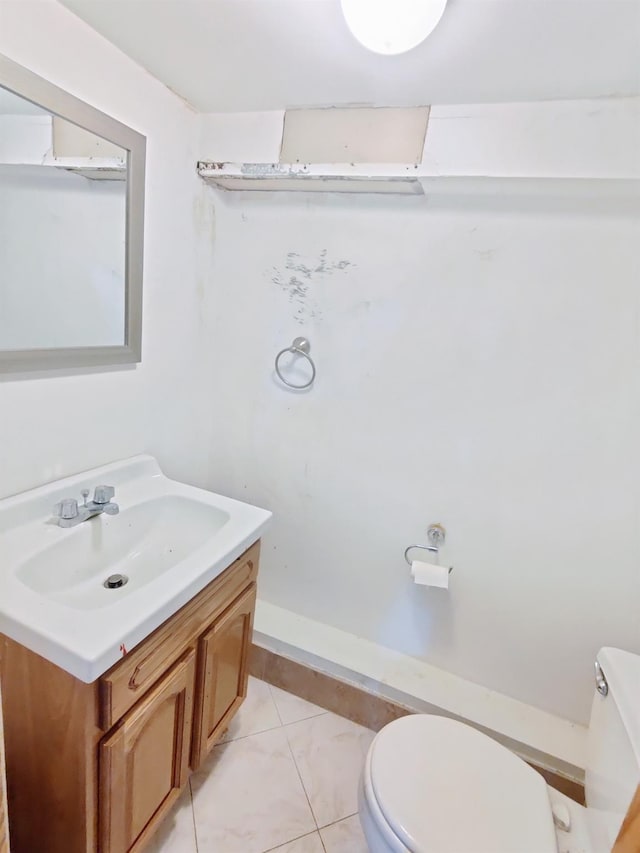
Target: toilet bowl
{"type": "Point", "coordinates": [435, 785]}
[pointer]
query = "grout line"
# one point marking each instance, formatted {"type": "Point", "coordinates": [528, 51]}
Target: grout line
{"type": "Point", "coordinates": [261, 731]}
{"type": "Point", "coordinates": [244, 737]}
{"type": "Point", "coordinates": [340, 819]}
{"type": "Point", "coordinates": [345, 817]}
{"type": "Point", "coordinates": [295, 764]}
{"type": "Point", "coordinates": [273, 699]}
{"type": "Point", "coordinates": [320, 712]}
{"type": "Point", "coordinates": [305, 719]}
{"type": "Point", "coordinates": [193, 816]}
{"type": "Point", "coordinates": [297, 838]}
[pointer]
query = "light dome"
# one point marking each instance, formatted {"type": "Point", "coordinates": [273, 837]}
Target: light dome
{"type": "Point", "coordinates": [392, 26]}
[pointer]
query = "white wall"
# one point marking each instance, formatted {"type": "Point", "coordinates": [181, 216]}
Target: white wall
{"type": "Point", "coordinates": [589, 138]}
{"type": "Point", "coordinates": [477, 358]}
{"type": "Point", "coordinates": [54, 424]}
{"type": "Point", "coordinates": [477, 365]}
{"type": "Point", "coordinates": [70, 292]}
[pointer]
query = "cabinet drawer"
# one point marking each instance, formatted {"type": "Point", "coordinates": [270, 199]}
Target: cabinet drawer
{"type": "Point", "coordinates": [122, 686]}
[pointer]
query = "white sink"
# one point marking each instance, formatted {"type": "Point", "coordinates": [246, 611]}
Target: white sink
{"type": "Point", "coordinates": [142, 543]}
{"type": "Point", "coordinates": [169, 540]}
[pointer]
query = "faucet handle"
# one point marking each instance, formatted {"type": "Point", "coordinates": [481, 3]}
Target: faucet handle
{"type": "Point", "coordinates": [67, 508]}
{"type": "Point", "coordinates": [103, 494]}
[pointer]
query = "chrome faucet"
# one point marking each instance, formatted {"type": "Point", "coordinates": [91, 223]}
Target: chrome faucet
{"type": "Point", "coordinates": [69, 513]}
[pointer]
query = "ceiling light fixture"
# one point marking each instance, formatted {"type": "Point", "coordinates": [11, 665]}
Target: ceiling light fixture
{"type": "Point", "coordinates": [392, 26]}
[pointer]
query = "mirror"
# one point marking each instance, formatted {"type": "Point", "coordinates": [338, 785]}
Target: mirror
{"type": "Point", "coordinates": [71, 228]}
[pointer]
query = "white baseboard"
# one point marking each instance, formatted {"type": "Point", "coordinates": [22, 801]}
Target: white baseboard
{"type": "Point", "coordinates": [542, 738]}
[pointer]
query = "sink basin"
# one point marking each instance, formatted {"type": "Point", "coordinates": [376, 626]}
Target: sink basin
{"type": "Point", "coordinates": [141, 543]}
{"type": "Point", "coordinates": [168, 541]}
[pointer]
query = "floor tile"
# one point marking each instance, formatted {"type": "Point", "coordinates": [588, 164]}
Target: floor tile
{"type": "Point", "coordinates": [292, 708]}
{"type": "Point", "coordinates": [346, 836]}
{"type": "Point", "coordinates": [247, 796]}
{"type": "Point", "coordinates": [176, 834]}
{"type": "Point", "coordinates": [257, 713]}
{"type": "Point", "coordinates": [307, 844]}
{"type": "Point", "coordinates": [329, 752]}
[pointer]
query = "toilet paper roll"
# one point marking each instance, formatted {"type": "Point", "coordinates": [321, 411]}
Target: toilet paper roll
{"type": "Point", "coordinates": [427, 574]}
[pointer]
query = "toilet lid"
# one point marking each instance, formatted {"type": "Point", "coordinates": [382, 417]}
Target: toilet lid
{"type": "Point", "coordinates": [443, 786]}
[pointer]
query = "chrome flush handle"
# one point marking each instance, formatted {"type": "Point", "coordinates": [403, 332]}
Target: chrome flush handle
{"type": "Point", "coordinates": [601, 682]}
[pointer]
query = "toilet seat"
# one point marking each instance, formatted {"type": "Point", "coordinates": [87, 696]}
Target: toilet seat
{"type": "Point", "coordinates": [440, 786]}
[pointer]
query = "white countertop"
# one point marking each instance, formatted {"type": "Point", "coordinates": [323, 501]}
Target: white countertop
{"type": "Point", "coordinates": [87, 641]}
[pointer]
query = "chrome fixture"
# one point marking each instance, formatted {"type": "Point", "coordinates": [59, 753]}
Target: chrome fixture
{"type": "Point", "coordinates": [436, 534]}
{"type": "Point", "coordinates": [299, 346]}
{"type": "Point", "coordinates": [601, 682]}
{"type": "Point", "coordinates": [115, 581]}
{"type": "Point", "coordinates": [431, 548]}
{"type": "Point", "coordinates": [69, 514]}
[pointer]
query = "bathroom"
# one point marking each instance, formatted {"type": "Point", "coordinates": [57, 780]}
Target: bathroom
{"type": "Point", "coordinates": [475, 347]}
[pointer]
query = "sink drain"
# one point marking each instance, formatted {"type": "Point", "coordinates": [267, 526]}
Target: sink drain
{"type": "Point", "coordinates": [115, 581]}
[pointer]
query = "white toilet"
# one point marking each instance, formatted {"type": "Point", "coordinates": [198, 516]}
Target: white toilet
{"type": "Point", "coordinates": [434, 785]}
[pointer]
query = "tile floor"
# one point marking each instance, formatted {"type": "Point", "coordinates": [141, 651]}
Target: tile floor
{"type": "Point", "coordinates": [283, 779]}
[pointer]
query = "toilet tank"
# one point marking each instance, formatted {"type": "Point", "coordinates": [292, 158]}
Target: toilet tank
{"type": "Point", "coordinates": [613, 742]}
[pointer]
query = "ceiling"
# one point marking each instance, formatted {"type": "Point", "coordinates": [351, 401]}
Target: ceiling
{"type": "Point", "coordinates": [245, 55]}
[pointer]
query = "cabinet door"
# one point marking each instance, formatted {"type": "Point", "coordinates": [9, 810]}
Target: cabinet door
{"type": "Point", "coordinates": [144, 762]}
{"type": "Point", "coordinates": [223, 653]}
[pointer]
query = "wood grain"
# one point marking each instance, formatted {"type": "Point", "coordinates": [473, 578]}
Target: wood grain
{"type": "Point", "coordinates": [4, 812]}
{"type": "Point", "coordinates": [51, 735]}
{"type": "Point", "coordinates": [54, 725]}
{"type": "Point", "coordinates": [123, 685]}
{"type": "Point", "coordinates": [144, 762]}
{"type": "Point", "coordinates": [223, 673]}
{"type": "Point", "coordinates": [628, 840]}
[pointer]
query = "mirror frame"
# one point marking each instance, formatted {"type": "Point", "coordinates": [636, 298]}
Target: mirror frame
{"type": "Point", "coordinates": [42, 93]}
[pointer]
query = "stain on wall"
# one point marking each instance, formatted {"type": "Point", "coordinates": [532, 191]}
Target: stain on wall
{"type": "Point", "coordinates": [298, 277]}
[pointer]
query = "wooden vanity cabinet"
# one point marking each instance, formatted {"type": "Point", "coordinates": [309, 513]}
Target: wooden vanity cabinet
{"type": "Point", "coordinates": [94, 768]}
{"type": "Point", "coordinates": [223, 673]}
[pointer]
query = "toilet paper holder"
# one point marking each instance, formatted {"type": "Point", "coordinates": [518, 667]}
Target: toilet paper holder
{"type": "Point", "coordinates": [436, 534]}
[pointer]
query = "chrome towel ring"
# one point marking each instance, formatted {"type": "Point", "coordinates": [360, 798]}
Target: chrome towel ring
{"type": "Point", "coordinates": [299, 346]}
